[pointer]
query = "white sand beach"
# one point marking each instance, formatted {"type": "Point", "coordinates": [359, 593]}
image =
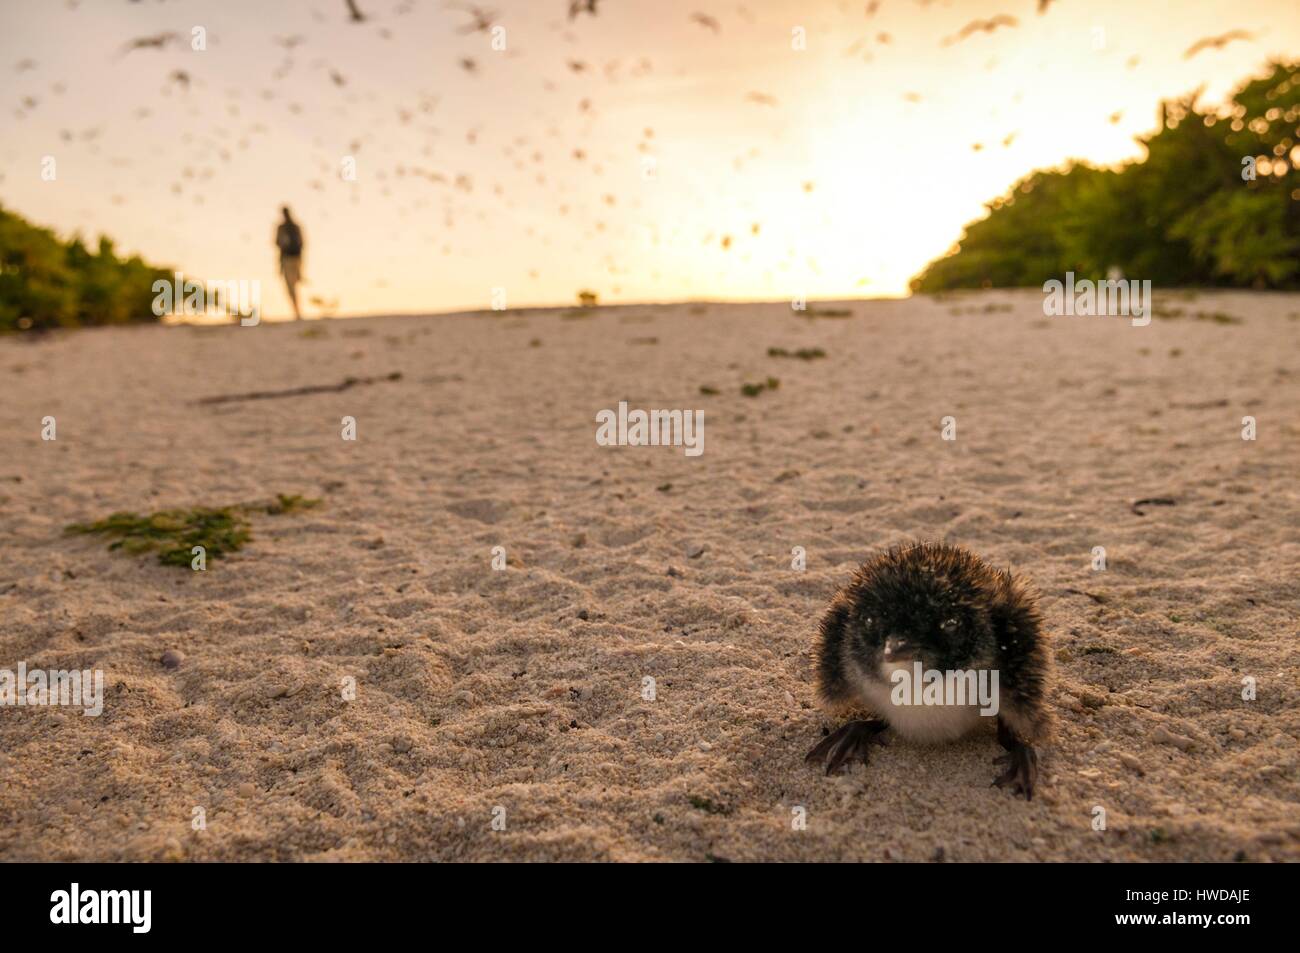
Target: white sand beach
{"type": "Point", "coordinates": [517, 695]}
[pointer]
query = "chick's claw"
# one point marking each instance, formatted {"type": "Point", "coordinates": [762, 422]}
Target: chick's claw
{"type": "Point", "coordinates": [1022, 771]}
{"type": "Point", "coordinates": [850, 742]}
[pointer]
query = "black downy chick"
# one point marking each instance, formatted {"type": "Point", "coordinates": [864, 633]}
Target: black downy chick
{"type": "Point", "coordinates": [947, 609]}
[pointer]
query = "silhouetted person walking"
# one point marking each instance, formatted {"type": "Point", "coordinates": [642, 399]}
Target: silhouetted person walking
{"type": "Point", "coordinates": [288, 238]}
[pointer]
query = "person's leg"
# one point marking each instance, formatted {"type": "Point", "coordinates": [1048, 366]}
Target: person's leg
{"type": "Point", "coordinates": [289, 267]}
{"type": "Point", "coordinates": [293, 297]}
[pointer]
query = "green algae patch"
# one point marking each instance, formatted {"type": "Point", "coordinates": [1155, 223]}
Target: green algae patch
{"type": "Point", "coordinates": [174, 533]}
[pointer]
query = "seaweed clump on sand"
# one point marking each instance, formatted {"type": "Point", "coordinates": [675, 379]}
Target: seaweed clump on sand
{"type": "Point", "coordinates": [753, 390]}
{"type": "Point", "coordinates": [803, 354]}
{"type": "Point", "coordinates": [173, 534]}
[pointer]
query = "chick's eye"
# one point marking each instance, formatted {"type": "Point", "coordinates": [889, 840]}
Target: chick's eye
{"type": "Point", "coordinates": [949, 625]}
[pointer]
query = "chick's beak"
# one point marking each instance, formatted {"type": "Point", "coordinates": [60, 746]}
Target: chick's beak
{"type": "Point", "coordinates": [898, 650]}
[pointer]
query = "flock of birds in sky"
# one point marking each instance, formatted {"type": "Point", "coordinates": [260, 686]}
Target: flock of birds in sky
{"type": "Point", "coordinates": [523, 151]}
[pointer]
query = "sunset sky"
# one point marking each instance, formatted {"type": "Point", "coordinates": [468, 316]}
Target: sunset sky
{"type": "Point", "coordinates": [658, 151]}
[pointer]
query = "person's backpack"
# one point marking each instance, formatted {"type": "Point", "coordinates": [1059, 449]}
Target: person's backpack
{"type": "Point", "coordinates": [289, 239]}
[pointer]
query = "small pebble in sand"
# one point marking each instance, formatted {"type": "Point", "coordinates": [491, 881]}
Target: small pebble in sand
{"type": "Point", "coordinates": [584, 615]}
{"type": "Point", "coordinates": [1091, 699]}
{"type": "Point", "coordinates": [675, 572]}
{"type": "Point", "coordinates": [694, 550]}
{"type": "Point", "coordinates": [247, 789]}
{"type": "Point", "coordinates": [1132, 762]}
{"type": "Point", "coordinates": [1163, 736]}
{"type": "Point", "coordinates": [287, 691]}
{"type": "Point", "coordinates": [172, 659]}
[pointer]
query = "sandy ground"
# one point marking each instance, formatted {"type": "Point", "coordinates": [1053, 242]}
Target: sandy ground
{"type": "Point", "coordinates": [518, 694]}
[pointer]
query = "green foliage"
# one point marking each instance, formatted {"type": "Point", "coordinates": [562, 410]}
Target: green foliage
{"type": "Point", "coordinates": [1245, 235]}
{"type": "Point", "coordinates": [753, 390]}
{"type": "Point", "coordinates": [173, 534]}
{"type": "Point", "coordinates": [1183, 216]}
{"type": "Point", "coordinates": [803, 354]}
{"type": "Point", "coordinates": [290, 504]}
{"type": "Point", "coordinates": [46, 282]}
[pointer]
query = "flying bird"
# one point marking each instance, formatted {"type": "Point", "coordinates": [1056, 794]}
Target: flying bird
{"type": "Point", "coordinates": [706, 21]}
{"type": "Point", "coordinates": [1043, 5]}
{"type": "Point", "coordinates": [581, 6]}
{"type": "Point", "coordinates": [355, 15]}
{"type": "Point", "coordinates": [982, 26]}
{"type": "Point", "coordinates": [856, 48]}
{"type": "Point", "coordinates": [1216, 42]}
{"type": "Point", "coordinates": [483, 19]}
{"type": "Point", "coordinates": [156, 42]}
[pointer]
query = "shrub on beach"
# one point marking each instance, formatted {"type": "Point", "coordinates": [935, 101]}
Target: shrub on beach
{"type": "Point", "coordinates": [1188, 214]}
{"type": "Point", "coordinates": [46, 282]}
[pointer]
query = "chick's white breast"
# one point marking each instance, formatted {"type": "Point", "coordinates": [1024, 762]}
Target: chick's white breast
{"type": "Point", "coordinates": [918, 722]}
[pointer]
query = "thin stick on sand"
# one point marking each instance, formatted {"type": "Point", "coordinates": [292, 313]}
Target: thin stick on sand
{"type": "Point", "coordinates": [1152, 501]}
{"type": "Point", "coordinates": [299, 391]}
